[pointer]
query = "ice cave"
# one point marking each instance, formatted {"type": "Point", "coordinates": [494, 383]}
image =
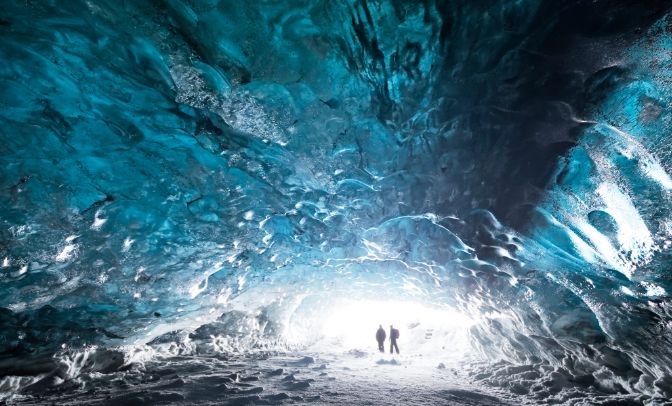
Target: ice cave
{"type": "Point", "coordinates": [218, 202]}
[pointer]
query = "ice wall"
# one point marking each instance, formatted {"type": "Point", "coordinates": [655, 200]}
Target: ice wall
{"type": "Point", "coordinates": [161, 159]}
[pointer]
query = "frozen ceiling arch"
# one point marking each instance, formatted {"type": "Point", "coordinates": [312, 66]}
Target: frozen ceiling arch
{"type": "Point", "coordinates": [172, 160]}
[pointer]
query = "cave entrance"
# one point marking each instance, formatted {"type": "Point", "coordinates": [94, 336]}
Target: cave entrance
{"type": "Point", "coordinates": [346, 324]}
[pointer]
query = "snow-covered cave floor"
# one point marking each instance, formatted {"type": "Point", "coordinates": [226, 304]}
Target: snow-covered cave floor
{"type": "Point", "coordinates": [348, 378]}
{"type": "Point", "coordinates": [339, 378]}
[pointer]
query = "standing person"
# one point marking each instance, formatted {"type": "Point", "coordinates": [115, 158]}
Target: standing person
{"type": "Point", "coordinates": [394, 336]}
{"type": "Point", "coordinates": [380, 337]}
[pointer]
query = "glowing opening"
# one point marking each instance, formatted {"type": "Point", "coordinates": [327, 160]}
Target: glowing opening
{"type": "Point", "coordinates": [424, 330]}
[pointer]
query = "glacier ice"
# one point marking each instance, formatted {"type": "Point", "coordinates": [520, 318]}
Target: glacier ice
{"type": "Point", "coordinates": [217, 176]}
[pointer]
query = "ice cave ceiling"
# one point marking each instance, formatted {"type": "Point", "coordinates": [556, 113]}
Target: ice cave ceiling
{"type": "Point", "coordinates": [161, 158]}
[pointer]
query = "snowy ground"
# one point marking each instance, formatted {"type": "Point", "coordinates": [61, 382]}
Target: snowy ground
{"type": "Point", "coordinates": [349, 378]}
{"type": "Point", "coordinates": [187, 365]}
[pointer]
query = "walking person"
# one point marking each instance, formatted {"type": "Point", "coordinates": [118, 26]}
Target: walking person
{"type": "Point", "coordinates": [394, 336]}
{"type": "Point", "coordinates": [380, 337]}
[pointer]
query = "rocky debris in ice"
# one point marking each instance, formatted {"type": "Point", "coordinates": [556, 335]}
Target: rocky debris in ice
{"type": "Point", "coordinates": [305, 361]}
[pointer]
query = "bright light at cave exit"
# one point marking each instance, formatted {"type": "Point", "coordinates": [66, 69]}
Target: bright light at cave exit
{"type": "Point", "coordinates": [352, 324]}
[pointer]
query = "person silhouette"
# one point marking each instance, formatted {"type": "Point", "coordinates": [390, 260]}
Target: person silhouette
{"type": "Point", "coordinates": [380, 337]}
{"type": "Point", "coordinates": [394, 336]}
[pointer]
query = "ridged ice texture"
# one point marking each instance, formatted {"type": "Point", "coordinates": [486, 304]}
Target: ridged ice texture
{"type": "Point", "coordinates": [161, 158]}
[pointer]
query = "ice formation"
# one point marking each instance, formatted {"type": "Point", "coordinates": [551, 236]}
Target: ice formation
{"type": "Point", "coordinates": [221, 177]}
